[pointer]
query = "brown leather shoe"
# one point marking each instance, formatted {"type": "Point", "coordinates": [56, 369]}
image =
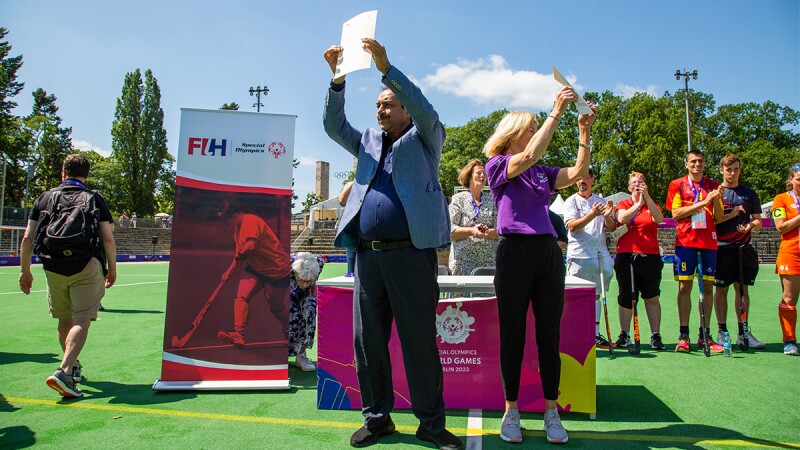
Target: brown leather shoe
{"type": "Point", "coordinates": [364, 437]}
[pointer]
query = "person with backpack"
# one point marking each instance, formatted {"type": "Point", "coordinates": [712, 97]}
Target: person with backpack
{"type": "Point", "coordinates": [69, 229]}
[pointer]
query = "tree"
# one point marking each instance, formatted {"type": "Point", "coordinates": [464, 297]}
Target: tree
{"type": "Point", "coordinates": [464, 143]}
{"type": "Point", "coordinates": [50, 143]}
{"type": "Point", "coordinates": [232, 106]}
{"type": "Point", "coordinates": [311, 200]}
{"type": "Point", "coordinates": [139, 143]}
{"type": "Point", "coordinates": [13, 139]}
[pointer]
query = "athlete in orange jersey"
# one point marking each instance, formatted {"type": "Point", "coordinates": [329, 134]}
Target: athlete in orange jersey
{"type": "Point", "coordinates": [785, 215]}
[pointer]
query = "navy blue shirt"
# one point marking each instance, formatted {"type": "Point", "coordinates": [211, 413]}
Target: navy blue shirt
{"type": "Point", "coordinates": [382, 217]}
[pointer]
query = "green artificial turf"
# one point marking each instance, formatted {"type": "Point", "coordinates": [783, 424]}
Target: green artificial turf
{"type": "Point", "coordinates": [655, 400]}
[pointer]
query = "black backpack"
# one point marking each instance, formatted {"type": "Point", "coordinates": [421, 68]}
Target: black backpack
{"type": "Point", "coordinates": [68, 230]}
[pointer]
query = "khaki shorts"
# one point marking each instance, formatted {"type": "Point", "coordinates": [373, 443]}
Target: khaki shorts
{"type": "Point", "coordinates": [76, 295]}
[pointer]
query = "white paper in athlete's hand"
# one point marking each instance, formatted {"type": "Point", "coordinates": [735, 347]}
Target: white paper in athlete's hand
{"type": "Point", "coordinates": [583, 107]}
{"type": "Point", "coordinates": [353, 56]}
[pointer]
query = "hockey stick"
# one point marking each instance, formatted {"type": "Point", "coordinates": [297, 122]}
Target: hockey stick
{"type": "Point", "coordinates": [605, 308]}
{"type": "Point", "coordinates": [745, 345]}
{"type": "Point", "coordinates": [706, 349]}
{"type": "Point", "coordinates": [635, 301]}
{"type": "Point", "coordinates": [178, 343]}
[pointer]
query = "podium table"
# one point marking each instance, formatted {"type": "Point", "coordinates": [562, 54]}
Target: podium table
{"type": "Point", "coordinates": [468, 338]}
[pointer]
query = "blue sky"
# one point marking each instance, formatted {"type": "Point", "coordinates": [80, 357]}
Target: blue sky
{"type": "Point", "coordinates": [470, 58]}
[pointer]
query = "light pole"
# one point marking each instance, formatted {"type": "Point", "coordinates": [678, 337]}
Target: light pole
{"type": "Point", "coordinates": [258, 91]}
{"type": "Point", "coordinates": [686, 74]}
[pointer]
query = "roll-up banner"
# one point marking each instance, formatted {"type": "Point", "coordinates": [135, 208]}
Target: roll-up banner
{"type": "Point", "coordinates": [228, 295]}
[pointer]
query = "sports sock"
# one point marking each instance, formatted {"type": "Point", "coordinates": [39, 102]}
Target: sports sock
{"type": "Point", "coordinates": [598, 309]}
{"type": "Point", "coordinates": [723, 327]}
{"type": "Point", "coordinates": [788, 318]}
{"type": "Point", "coordinates": [240, 312]}
{"type": "Point", "coordinates": [685, 329]}
{"type": "Point", "coordinates": [741, 328]}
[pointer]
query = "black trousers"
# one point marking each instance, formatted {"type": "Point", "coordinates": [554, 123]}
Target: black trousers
{"type": "Point", "coordinates": [401, 285]}
{"type": "Point", "coordinates": [530, 271]}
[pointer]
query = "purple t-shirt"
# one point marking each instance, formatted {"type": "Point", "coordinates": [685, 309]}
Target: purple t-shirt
{"type": "Point", "coordinates": [523, 201]}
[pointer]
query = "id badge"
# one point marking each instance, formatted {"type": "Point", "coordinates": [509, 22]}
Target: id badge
{"type": "Point", "coordinates": [699, 220]}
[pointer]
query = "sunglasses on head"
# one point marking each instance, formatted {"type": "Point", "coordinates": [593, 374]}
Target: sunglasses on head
{"type": "Point", "coordinates": [795, 167]}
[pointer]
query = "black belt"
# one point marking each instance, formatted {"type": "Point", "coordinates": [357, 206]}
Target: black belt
{"type": "Point", "coordinates": [380, 246]}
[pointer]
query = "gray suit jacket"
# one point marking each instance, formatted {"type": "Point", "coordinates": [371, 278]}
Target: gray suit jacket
{"type": "Point", "coordinates": [416, 164]}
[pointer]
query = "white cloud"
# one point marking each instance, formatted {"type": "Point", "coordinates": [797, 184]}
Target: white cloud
{"type": "Point", "coordinates": [86, 145]}
{"type": "Point", "coordinates": [305, 161]}
{"type": "Point", "coordinates": [628, 91]}
{"type": "Point", "coordinates": [494, 82]}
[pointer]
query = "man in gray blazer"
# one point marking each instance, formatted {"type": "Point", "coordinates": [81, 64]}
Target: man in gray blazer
{"type": "Point", "coordinates": [396, 216]}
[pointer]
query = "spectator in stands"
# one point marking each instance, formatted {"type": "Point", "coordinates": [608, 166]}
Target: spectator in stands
{"type": "Point", "coordinates": [303, 307]}
{"type": "Point", "coordinates": [266, 268]}
{"type": "Point", "coordinates": [638, 217]}
{"type": "Point", "coordinates": [473, 222]}
{"type": "Point", "coordinates": [786, 215]}
{"type": "Point", "coordinates": [530, 265]}
{"type": "Point", "coordinates": [122, 219]}
{"type": "Point", "coordinates": [133, 220]}
{"type": "Point", "coordinates": [588, 216]}
{"type": "Point", "coordinates": [696, 204]}
{"type": "Point", "coordinates": [742, 215]}
{"type": "Point", "coordinates": [350, 252]}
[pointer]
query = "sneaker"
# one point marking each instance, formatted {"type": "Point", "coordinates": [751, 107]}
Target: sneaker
{"type": "Point", "coordinates": [751, 340]}
{"type": "Point", "coordinates": [655, 342]}
{"type": "Point", "coordinates": [623, 340]}
{"type": "Point", "coordinates": [304, 363]}
{"type": "Point", "coordinates": [510, 431]}
{"type": "Point", "coordinates": [349, 275]}
{"type": "Point", "coordinates": [713, 347]}
{"type": "Point", "coordinates": [100, 307]}
{"type": "Point", "coordinates": [721, 336]}
{"type": "Point", "coordinates": [683, 344]}
{"type": "Point", "coordinates": [790, 348]}
{"type": "Point", "coordinates": [601, 341]}
{"type": "Point", "coordinates": [76, 371]}
{"type": "Point", "coordinates": [556, 433]}
{"type": "Point", "coordinates": [63, 384]}
{"type": "Point", "coordinates": [231, 337]}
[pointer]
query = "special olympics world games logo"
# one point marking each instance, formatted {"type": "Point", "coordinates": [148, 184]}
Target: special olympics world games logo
{"type": "Point", "coordinates": [453, 325]}
{"type": "Point", "coordinates": [276, 149]}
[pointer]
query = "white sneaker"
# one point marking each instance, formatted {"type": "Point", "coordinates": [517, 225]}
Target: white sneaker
{"type": "Point", "coordinates": [790, 348]}
{"type": "Point", "coordinates": [556, 433]}
{"type": "Point", "coordinates": [304, 363]}
{"type": "Point", "coordinates": [720, 337]}
{"type": "Point", "coordinates": [752, 341]}
{"type": "Point", "coordinates": [510, 431]}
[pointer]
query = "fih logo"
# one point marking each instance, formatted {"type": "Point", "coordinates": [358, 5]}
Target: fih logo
{"type": "Point", "coordinates": [453, 325]}
{"type": "Point", "coordinates": [208, 147]}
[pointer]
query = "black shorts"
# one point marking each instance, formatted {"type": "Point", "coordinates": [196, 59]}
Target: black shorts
{"type": "Point", "coordinates": [278, 283]}
{"type": "Point", "coordinates": [647, 272]}
{"type": "Point", "coordinates": [728, 265]}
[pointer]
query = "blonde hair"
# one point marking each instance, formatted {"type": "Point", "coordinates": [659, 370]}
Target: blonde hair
{"type": "Point", "coordinates": [636, 175]}
{"type": "Point", "coordinates": [511, 127]}
{"type": "Point", "coordinates": [466, 173]}
{"type": "Point", "coordinates": [792, 172]}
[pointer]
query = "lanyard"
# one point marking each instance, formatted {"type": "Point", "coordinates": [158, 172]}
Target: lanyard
{"type": "Point", "coordinates": [699, 190]}
{"type": "Point", "coordinates": [796, 203]}
{"type": "Point", "coordinates": [476, 207]}
{"type": "Point", "coordinates": [71, 182]}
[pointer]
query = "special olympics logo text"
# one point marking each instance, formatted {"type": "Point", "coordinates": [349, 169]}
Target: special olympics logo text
{"type": "Point", "coordinates": [276, 149]}
{"type": "Point", "coordinates": [453, 325]}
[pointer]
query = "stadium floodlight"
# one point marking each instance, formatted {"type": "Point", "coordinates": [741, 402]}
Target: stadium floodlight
{"type": "Point", "coordinates": [258, 91]}
{"type": "Point", "coordinates": [686, 75]}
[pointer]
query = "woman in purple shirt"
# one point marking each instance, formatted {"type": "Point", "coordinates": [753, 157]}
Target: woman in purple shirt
{"type": "Point", "coordinates": [530, 267]}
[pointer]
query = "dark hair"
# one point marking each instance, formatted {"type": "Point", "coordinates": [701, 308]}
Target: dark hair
{"type": "Point", "coordinates": [229, 209]}
{"type": "Point", "coordinates": [693, 152]}
{"type": "Point", "coordinates": [76, 166]}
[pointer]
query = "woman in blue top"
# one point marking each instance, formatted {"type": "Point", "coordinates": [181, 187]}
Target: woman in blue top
{"type": "Point", "coordinates": [530, 267]}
